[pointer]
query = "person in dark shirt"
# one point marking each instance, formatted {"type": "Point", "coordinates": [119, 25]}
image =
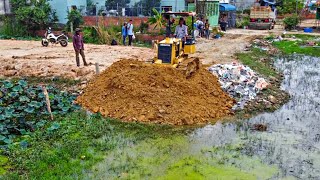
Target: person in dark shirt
{"type": "Point", "coordinates": [79, 47]}
{"type": "Point", "coordinates": [207, 29]}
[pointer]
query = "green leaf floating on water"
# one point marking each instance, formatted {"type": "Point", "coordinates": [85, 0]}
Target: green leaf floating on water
{"type": "Point", "coordinates": [35, 104]}
{"type": "Point", "coordinates": [2, 117]}
{"type": "Point", "coordinates": [7, 84]}
{"type": "Point", "coordinates": [22, 83]}
{"type": "Point", "coordinates": [2, 138]}
{"type": "Point", "coordinates": [17, 88]}
{"type": "Point", "coordinates": [54, 126]}
{"type": "Point", "coordinates": [13, 94]}
{"type": "Point", "coordinates": [29, 110]}
{"type": "Point", "coordinates": [24, 99]}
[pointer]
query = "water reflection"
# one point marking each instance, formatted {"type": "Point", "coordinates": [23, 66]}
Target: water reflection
{"type": "Point", "coordinates": [292, 141]}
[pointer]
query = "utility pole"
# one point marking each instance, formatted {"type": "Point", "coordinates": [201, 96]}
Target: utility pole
{"type": "Point", "coordinates": [176, 4]}
{"type": "Point", "coordinates": [97, 13]}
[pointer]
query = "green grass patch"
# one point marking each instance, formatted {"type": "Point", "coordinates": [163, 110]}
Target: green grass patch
{"type": "Point", "coordinates": [291, 47]}
{"type": "Point", "coordinates": [299, 46]}
{"type": "Point", "coordinates": [253, 60]}
{"type": "Point", "coordinates": [77, 143]}
{"type": "Point", "coordinates": [142, 44]}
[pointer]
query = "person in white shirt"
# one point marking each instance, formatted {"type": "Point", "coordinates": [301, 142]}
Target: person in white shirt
{"type": "Point", "coordinates": [181, 31]}
{"type": "Point", "coordinates": [130, 32]}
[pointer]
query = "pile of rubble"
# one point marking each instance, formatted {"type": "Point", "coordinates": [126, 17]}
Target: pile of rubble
{"type": "Point", "coordinates": [263, 45]}
{"type": "Point", "coordinates": [239, 81]}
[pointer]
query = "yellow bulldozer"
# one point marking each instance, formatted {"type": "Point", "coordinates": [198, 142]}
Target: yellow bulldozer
{"type": "Point", "coordinates": [170, 51]}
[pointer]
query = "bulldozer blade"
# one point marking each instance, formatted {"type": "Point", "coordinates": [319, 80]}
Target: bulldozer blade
{"type": "Point", "coordinates": [189, 66]}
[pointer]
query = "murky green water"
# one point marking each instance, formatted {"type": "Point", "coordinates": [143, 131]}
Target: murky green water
{"type": "Point", "coordinates": [289, 149]}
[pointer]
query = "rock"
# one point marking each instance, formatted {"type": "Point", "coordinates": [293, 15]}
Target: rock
{"type": "Point", "coordinates": [10, 73]}
{"type": "Point", "coordinates": [166, 84]}
{"type": "Point", "coordinates": [272, 99]}
{"type": "Point", "coordinates": [260, 127]}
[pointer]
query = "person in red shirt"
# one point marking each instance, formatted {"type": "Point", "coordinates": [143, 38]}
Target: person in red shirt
{"type": "Point", "coordinates": [78, 47]}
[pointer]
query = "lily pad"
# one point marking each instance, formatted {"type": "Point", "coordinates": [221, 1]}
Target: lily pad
{"type": "Point", "coordinates": [22, 83]}
{"type": "Point", "coordinates": [29, 110]}
{"type": "Point", "coordinates": [24, 99]}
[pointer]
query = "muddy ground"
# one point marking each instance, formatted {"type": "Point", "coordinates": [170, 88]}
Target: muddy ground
{"type": "Point", "coordinates": [29, 58]}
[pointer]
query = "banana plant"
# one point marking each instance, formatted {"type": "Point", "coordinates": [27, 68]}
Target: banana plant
{"type": "Point", "coordinates": [156, 19]}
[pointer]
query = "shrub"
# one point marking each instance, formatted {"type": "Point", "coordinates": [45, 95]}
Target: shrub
{"type": "Point", "coordinates": [75, 19]}
{"type": "Point", "coordinates": [143, 27]}
{"type": "Point", "coordinates": [291, 22]}
{"type": "Point", "coordinates": [12, 28]}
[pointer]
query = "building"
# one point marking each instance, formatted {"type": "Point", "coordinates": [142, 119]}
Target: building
{"type": "Point", "coordinates": [243, 4]}
{"type": "Point", "coordinates": [173, 5]}
{"type": "Point", "coordinates": [4, 7]}
{"type": "Point", "coordinates": [62, 7]}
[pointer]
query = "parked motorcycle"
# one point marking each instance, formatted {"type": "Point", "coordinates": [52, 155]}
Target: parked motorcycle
{"type": "Point", "coordinates": [49, 37]}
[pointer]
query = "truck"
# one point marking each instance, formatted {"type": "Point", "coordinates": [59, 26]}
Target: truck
{"type": "Point", "coordinates": [262, 17]}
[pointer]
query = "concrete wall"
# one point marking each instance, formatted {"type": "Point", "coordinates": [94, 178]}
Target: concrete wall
{"type": "Point", "coordinates": [4, 7]}
{"type": "Point", "coordinates": [177, 5]}
{"type": "Point", "coordinates": [109, 21]}
{"type": "Point", "coordinates": [63, 6]}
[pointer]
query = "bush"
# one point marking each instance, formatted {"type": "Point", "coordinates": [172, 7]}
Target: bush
{"type": "Point", "coordinates": [12, 28]}
{"type": "Point", "coordinates": [101, 34]}
{"type": "Point", "coordinates": [90, 35]}
{"type": "Point", "coordinates": [244, 21]}
{"type": "Point", "coordinates": [291, 22]}
{"type": "Point", "coordinates": [75, 19]}
{"type": "Point", "coordinates": [143, 27]}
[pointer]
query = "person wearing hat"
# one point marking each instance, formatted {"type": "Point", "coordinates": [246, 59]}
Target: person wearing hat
{"type": "Point", "coordinates": [130, 31]}
{"type": "Point", "coordinates": [78, 47]}
{"type": "Point", "coordinates": [124, 33]}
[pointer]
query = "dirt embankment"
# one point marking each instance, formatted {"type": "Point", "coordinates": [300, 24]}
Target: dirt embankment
{"type": "Point", "coordinates": [132, 90]}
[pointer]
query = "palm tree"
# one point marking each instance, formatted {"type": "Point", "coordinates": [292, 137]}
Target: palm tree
{"type": "Point", "coordinates": [156, 19]}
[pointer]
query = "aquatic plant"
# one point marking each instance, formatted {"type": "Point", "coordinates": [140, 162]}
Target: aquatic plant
{"type": "Point", "coordinates": [23, 107]}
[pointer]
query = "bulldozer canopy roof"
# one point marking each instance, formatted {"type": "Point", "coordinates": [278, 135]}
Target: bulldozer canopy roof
{"type": "Point", "coordinates": [180, 13]}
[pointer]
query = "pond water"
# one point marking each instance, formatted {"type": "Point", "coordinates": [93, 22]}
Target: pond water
{"type": "Point", "coordinates": [289, 149]}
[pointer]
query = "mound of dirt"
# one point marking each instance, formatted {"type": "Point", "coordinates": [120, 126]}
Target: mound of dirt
{"type": "Point", "coordinates": [132, 90]}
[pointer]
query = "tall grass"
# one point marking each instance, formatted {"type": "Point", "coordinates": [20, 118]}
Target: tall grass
{"type": "Point", "coordinates": [11, 27]}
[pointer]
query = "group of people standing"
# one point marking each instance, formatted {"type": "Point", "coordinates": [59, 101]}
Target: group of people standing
{"type": "Point", "coordinates": [203, 28]}
{"type": "Point", "coordinates": [127, 30]}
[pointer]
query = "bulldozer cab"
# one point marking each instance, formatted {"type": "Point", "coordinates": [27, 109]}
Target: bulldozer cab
{"type": "Point", "coordinates": [169, 14]}
{"type": "Point", "coordinates": [171, 50]}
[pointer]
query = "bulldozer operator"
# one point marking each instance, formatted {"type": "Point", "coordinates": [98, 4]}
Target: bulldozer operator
{"type": "Point", "coordinates": [181, 31]}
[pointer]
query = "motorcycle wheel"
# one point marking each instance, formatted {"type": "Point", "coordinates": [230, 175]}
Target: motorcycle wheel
{"type": "Point", "coordinates": [44, 43]}
{"type": "Point", "coordinates": [63, 43]}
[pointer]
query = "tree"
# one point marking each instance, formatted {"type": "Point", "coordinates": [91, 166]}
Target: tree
{"type": "Point", "coordinates": [290, 6]}
{"type": "Point", "coordinates": [75, 19]}
{"type": "Point", "coordinates": [156, 19]}
{"type": "Point", "coordinates": [113, 4]}
{"type": "Point", "coordinates": [33, 14]}
{"type": "Point", "coordinates": [145, 6]}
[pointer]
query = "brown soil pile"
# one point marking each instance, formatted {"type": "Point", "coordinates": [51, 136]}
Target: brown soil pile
{"type": "Point", "coordinates": [132, 90]}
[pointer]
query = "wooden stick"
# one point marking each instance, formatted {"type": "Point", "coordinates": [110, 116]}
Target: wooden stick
{"type": "Point", "coordinates": [45, 92]}
{"type": "Point", "coordinates": [97, 68]}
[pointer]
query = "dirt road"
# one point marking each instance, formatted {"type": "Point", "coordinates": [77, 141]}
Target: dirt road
{"type": "Point", "coordinates": [29, 58]}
